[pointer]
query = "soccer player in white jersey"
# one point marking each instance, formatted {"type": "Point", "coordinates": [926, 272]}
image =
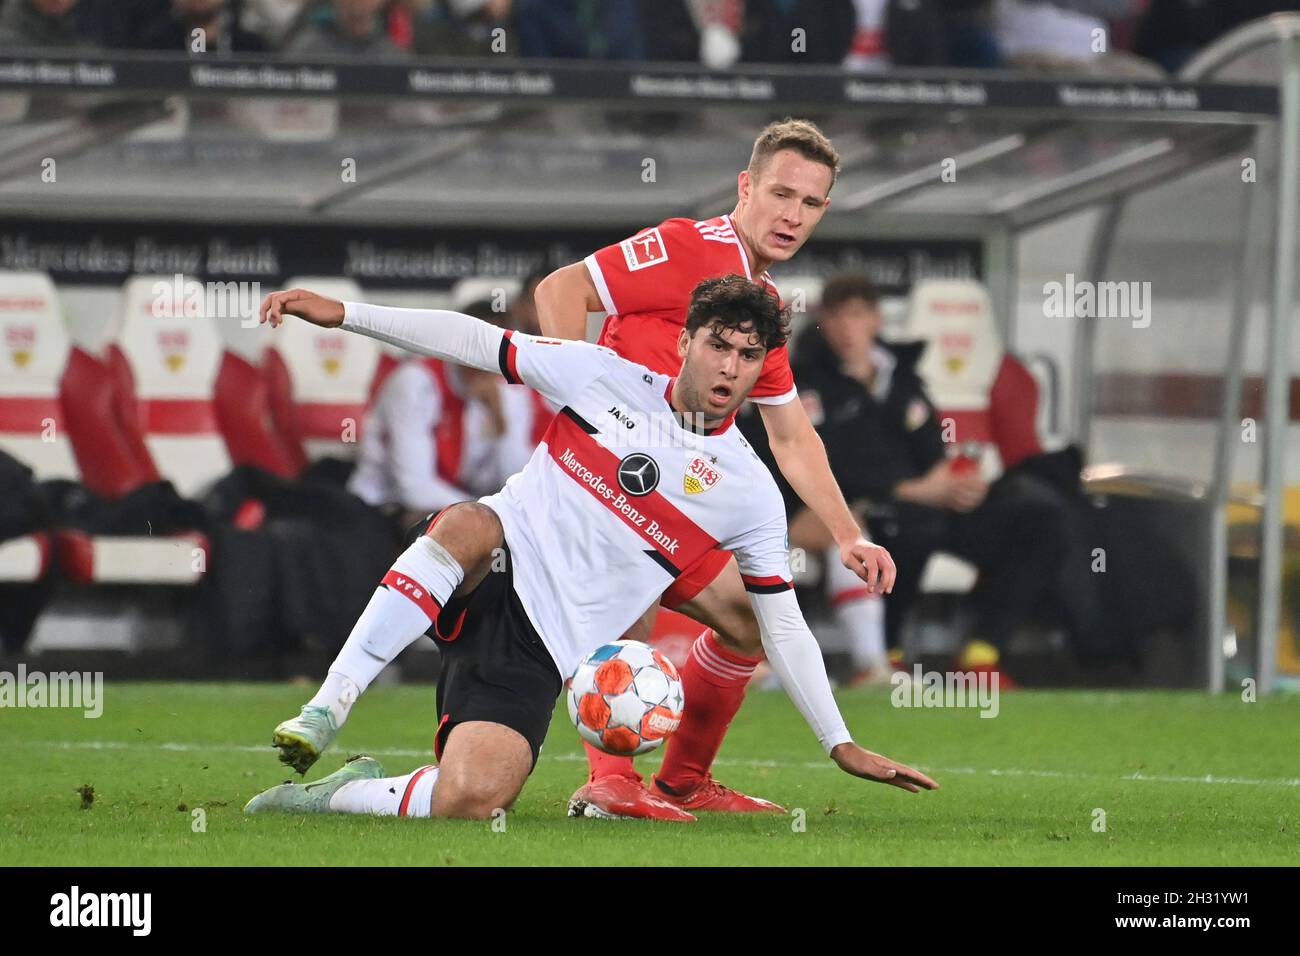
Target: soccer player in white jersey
{"type": "Point", "coordinates": [645, 284]}
{"type": "Point", "coordinates": [595, 527]}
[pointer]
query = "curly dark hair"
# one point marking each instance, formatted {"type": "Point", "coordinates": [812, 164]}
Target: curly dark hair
{"type": "Point", "coordinates": [734, 302]}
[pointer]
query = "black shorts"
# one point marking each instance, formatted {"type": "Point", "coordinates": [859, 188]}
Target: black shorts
{"type": "Point", "coordinates": [494, 665]}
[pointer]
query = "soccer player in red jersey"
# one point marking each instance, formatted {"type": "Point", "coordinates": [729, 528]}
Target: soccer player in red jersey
{"type": "Point", "coordinates": [644, 285]}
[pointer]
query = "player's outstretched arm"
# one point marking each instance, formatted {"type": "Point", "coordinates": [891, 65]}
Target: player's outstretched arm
{"type": "Point", "coordinates": [794, 654]}
{"type": "Point", "coordinates": [558, 370]}
{"type": "Point", "coordinates": [440, 333]}
{"type": "Point", "coordinates": [873, 766]}
{"type": "Point", "coordinates": [309, 306]}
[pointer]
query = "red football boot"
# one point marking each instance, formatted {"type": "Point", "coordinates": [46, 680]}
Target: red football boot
{"type": "Point", "coordinates": [619, 797]}
{"type": "Point", "coordinates": [712, 797]}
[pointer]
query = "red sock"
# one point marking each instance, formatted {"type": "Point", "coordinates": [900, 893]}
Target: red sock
{"type": "Point", "coordinates": [713, 683]}
{"type": "Point", "coordinates": [609, 765]}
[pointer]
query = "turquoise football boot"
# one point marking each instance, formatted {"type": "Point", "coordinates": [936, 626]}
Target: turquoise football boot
{"type": "Point", "coordinates": [302, 739]}
{"type": "Point", "coordinates": [314, 797]}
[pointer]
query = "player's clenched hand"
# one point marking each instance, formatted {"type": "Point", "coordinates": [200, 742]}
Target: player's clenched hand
{"type": "Point", "coordinates": [870, 562]}
{"type": "Point", "coordinates": [872, 766]}
{"type": "Point", "coordinates": [313, 308]}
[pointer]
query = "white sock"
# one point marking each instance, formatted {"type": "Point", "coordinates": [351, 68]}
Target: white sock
{"type": "Point", "coordinates": [860, 613]}
{"type": "Point", "coordinates": [338, 693]}
{"type": "Point", "coordinates": [403, 606]}
{"type": "Point", "coordinates": [408, 796]}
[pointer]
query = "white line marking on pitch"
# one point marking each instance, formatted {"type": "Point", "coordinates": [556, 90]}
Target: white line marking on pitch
{"type": "Point", "coordinates": [1137, 775]}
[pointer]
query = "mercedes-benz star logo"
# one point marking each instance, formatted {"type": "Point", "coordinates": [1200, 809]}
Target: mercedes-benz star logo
{"type": "Point", "coordinates": [638, 474]}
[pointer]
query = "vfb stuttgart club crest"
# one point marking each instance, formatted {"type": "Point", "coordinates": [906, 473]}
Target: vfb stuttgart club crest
{"type": "Point", "coordinates": [174, 344]}
{"type": "Point", "coordinates": [21, 340]}
{"type": "Point", "coordinates": [330, 349]}
{"type": "Point", "coordinates": [638, 474]}
{"type": "Point", "coordinates": [700, 476]}
{"type": "Point", "coordinates": [956, 347]}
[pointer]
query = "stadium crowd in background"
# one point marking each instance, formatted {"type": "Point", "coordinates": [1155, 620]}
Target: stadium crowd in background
{"type": "Point", "coordinates": [1137, 36]}
{"type": "Point", "coordinates": [40, 24]}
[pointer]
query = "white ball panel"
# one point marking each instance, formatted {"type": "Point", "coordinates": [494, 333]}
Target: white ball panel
{"type": "Point", "coordinates": [651, 684]}
{"type": "Point", "coordinates": [625, 709]}
{"type": "Point", "coordinates": [636, 654]}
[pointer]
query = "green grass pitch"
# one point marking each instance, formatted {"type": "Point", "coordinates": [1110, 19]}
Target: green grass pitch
{"type": "Point", "coordinates": [1181, 778]}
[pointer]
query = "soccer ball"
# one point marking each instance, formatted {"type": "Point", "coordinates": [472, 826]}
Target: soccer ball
{"type": "Point", "coordinates": [625, 698]}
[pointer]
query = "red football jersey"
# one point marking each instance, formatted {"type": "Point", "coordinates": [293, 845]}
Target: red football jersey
{"type": "Point", "coordinates": [645, 284]}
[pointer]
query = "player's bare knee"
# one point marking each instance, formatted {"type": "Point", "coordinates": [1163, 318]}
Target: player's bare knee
{"type": "Point", "coordinates": [464, 809]}
{"type": "Point", "coordinates": [472, 800]}
{"type": "Point", "coordinates": [466, 519]}
{"type": "Point", "coordinates": [471, 533]}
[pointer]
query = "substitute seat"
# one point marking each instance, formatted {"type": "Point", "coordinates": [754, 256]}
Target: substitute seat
{"type": "Point", "coordinates": [34, 350]}
{"type": "Point", "coordinates": [139, 412]}
{"type": "Point", "coordinates": [242, 401]}
{"type": "Point", "coordinates": [986, 399]}
{"type": "Point", "coordinates": [320, 379]}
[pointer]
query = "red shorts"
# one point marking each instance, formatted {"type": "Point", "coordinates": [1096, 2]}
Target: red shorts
{"type": "Point", "coordinates": [695, 578]}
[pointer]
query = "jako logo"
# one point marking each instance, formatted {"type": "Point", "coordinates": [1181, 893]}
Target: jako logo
{"type": "Point", "coordinates": [103, 909]}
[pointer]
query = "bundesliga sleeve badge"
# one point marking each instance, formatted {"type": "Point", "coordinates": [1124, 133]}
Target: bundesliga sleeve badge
{"type": "Point", "coordinates": [700, 476]}
{"type": "Point", "coordinates": [646, 249]}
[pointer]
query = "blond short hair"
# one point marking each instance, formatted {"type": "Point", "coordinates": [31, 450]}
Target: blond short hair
{"type": "Point", "coordinates": [799, 135]}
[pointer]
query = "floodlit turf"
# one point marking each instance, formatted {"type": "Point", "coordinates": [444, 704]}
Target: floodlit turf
{"type": "Point", "coordinates": [1181, 779]}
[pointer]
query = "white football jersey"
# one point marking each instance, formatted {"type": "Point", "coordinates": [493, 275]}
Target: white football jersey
{"type": "Point", "coordinates": [621, 496]}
